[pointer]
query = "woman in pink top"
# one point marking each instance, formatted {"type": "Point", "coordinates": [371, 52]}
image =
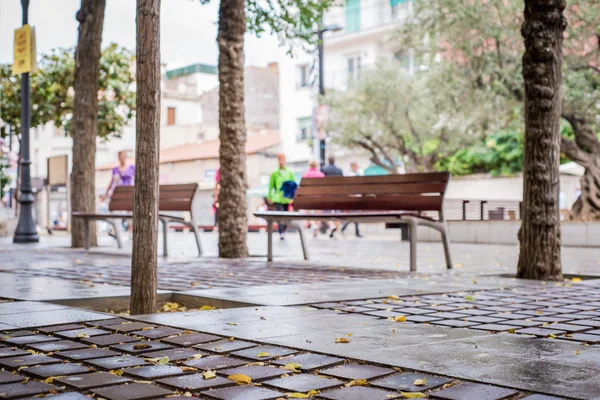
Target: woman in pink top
{"type": "Point", "coordinates": [313, 172]}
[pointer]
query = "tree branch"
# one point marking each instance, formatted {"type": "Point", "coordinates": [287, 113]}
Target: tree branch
{"type": "Point", "coordinates": [584, 67]}
{"type": "Point", "coordinates": [574, 153]}
{"type": "Point", "coordinates": [374, 156]}
{"type": "Point", "coordinates": [379, 147]}
{"type": "Point", "coordinates": [584, 135]}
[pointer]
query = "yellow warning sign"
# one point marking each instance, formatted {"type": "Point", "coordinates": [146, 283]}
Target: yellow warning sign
{"type": "Point", "coordinates": [24, 53]}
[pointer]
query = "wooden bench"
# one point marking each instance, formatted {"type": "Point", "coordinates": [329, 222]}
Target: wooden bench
{"type": "Point", "coordinates": [171, 198]}
{"type": "Point", "coordinates": [389, 198]}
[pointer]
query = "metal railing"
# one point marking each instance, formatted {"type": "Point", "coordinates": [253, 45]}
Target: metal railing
{"type": "Point", "coordinates": [482, 210]}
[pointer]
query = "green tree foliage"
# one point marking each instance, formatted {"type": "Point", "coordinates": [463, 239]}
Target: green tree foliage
{"type": "Point", "coordinates": [52, 91]}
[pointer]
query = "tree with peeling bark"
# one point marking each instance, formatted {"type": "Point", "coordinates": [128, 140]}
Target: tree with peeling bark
{"type": "Point", "coordinates": [85, 117]}
{"type": "Point", "coordinates": [144, 262]}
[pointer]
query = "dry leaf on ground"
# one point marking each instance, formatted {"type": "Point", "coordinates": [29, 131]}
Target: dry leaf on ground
{"type": "Point", "coordinates": [240, 378]}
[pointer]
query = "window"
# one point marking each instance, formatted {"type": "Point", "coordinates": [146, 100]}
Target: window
{"type": "Point", "coordinates": [171, 116]}
{"type": "Point", "coordinates": [304, 128]}
{"type": "Point", "coordinates": [352, 16]}
{"type": "Point", "coordinates": [353, 68]}
{"type": "Point", "coordinates": [400, 9]}
{"type": "Point", "coordinates": [404, 58]}
{"type": "Point", "coordinates": [302, 72]}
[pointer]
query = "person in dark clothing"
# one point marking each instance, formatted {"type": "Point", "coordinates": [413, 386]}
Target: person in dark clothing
{"type": "Point", "coordinates": [331, 170]}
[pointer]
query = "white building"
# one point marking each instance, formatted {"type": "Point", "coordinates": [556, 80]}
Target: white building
{"type": "Point", "coordinates": [368, 26]}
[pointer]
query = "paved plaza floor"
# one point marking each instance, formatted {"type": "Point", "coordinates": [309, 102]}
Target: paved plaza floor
{"type": "Point", "coordinates": [351, 323]}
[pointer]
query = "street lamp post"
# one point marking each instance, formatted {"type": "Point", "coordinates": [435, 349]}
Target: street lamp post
{"type": "Point", "coordinates": [320, 32]}
{"type": "Point", "coordinates": [26, 231]}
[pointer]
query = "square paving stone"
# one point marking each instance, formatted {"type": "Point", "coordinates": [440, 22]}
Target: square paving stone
{"type": "Point", "coordinates": [499, 309]}
{"type": "Point", "coordinates": [141, 347]}
{"type": "Point", "coordinates": [62, 396]}
{"type": "Point", "coordinates": [541, 397]}
{"type": "Point", "coordinates": [20, 340]}
{"type": "Point", "coordinates": [359, 393]}
{"type": "Point", "coordinates": [175, 354]}
{"type": "Point", "coordinates": [550, 319]}
{"type": "Point", "coordinates": [473, 391]}
{"type": "Point", "coordinates": [106, 322]}
{"type": "Point", "coordinates": [447, 315]}
{"type": "Point", "coordinates": [384, 313]}
{"type": "Point", "coordinates": [191, 339]}
{"type": "Point", "coordinates": [405, 382]}
{"type": "Point", "coordinates": [421, 318]}
{"type": "Point", "coordinates": [158, 333]}
{"type": "Point", "coordinates": [474, 311]}
{"type": "Point", "coordinates": [355, 309]}
{"type": "Point", "coordinates": [29, 360]}
{"type": "Point", "coordinates": [357, 371]}
{"type": "Point", "coordinates": [258, 373]}
{"type": "Point", "coordinates": [508, 316]}
{"type": "Point", "coordinates": [494, 327]}
{"type": "Point", "coordinates": [523, 323]}
{"type": "Point", "coordinates": [327, 305]}
{"type": "Point", "coordinates": [86, 354]}
{"type": "Point", "coordinates": [95, 379]}
{"type": "Point", "coordinates": [118, 362]}
{"type": "Point", "coordinates": [107, 340]}
{"type": "Point", "coordinates": [382, 307]}
{"type": "Point", "coordinates": [415, 311]}
{"type": "Point", "coordinates": [196, 382]}
{"type": "Point", "coordinates": [582, 337]}
{"type": "Point", "coordinates": [152, 372]}
{"type": "Point", "coordinates": [304, 383]}
{"type": "Point", "coordinates": [31, 388]}
{"type": "Point", "coordinates": [592, 332]}
{"type": "Point", "coordinates": [243, 393]}
{"type": "Point", "coordinates": [12, 352]}
{"type": "Point", "coordinates": [566, 327]}
{"type": "Point", "coordinates": [456, 323]}
{"type": "Point", "coordinates": [20, 333]}
{"type": "Point", "coordinates": [132, 391]}
{"type": "Point", "coordinates": [7, 377]}
{"type": "Point", "coordinates": [58, 346]}
{"type": "Point", "coordinates": [129, 327]}
{"type": "Point", "coordinates": [274, 351]}
{"type": "Point", "coordinates": [58, 328]}
{"type": "Point", "coordinates": [46, 371]}
{"type": "Point", "coordinates": [82, 333]}
{"type": "Point", "coordinates": [483, 319]}
{"type": "Point", "coordinates": [587, 322]}
{"type": "Point", "coordinates": [215, 363]}
{"type": "Point", "coordinates": [310, 361]}
{"type": "Point", "coordinates": [225, 346]}
{"type": "Point", "coordinates": [540, 332]}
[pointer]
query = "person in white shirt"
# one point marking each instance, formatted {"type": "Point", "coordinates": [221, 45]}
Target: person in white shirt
{"type": "Point", "coordinates": [354, 171]}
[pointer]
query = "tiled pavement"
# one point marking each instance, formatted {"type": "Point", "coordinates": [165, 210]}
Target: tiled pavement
{"type": "Point", "coordinates": [207, 367]}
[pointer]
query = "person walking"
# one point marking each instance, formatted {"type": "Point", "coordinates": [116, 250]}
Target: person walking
{"type": "Point", "coordinates": [276, 196]}
{"type": "Point", "coordinates": [313, 172]}
{"type": "Point", "coordinates": [122, 175]}
{"type": "Point", "coordinates": [354, 171]}
{"type": "Point", "coordinates": [215, 207]}
{"type": "Point", "coordinates": [331, 170]}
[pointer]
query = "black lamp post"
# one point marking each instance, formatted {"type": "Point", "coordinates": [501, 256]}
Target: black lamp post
{"type": "Point", "coordinates": [320, 32]}
{"type": "Point", "coordinates": [26, 231]}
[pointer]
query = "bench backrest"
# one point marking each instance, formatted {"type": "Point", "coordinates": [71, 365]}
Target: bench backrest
{"type": "Point", "coordinates": [409, 192]}
{"type": "Point", "coordinates": [171, 198]}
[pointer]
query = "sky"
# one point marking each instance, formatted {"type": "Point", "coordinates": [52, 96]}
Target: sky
{"type": "Point", "coordinates": [188, 30]}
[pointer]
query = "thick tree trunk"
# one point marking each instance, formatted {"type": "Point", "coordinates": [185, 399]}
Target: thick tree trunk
{"type": "Point", "coordinates": [85, 116]}
{"type": "Point", "coordinates": [539, 236]}
{"type": "Point", "coordinates": [144, 263]}
{"type": "Point", "coordinates": [587, 206]}
{"type": "Point", "coordinates": [233, 221]}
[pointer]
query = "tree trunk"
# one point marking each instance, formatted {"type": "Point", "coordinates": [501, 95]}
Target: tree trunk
{"type": "Point", "coordinates": [144, 263]}
{"type": "Point", "coordinates": [539, 236]}
{"type": "Point", "coordinates": [233, 221]}
{"type": "Point", "coordinates": [85, 117]}
{"type": "Point", "coordinates": [587, 206]}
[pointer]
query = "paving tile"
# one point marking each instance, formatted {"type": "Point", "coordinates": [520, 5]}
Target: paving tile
{"type": "Point", "coordinates": [214, 363]}
{"type": "Point", "coordinates": [58, 328]}
{"type": "Point", "coordinates": [28, 360]}
{"type": "Point", "coordinates": [587, 322]}
{"type": "Point", "coordinates": [86, 354]}
{"type": "Point", "coordinates": [107, 322]}
{"type": "Point", "coordinates": [415, 311]}
{"type": "Point", "coordinates": [152, 372]}
{"type": "Point", "coordinates": [592, 332]}
{"type": "Point", "coordinates": [158, 333]}
{"type": "Point", "coordinates": [7, 377]}
{"type": "Point", "coordinates": [494, 327]}
{"type": "Point", "coordinates": [191, 339]}
{"type": "Point", "coordinates": [31, 388]}
{"type": "Point", "coordinates": [62, 396]}
{"type": "Point", "coordinates": [129, 327]}
{"type": "Point", "coordinates": [196, 382]}
{"type": "Point", "coordinates": [10, 352]}
{"type": "Point", "coordinates": [310, 361]}
{"type": "Point", "coordinates": [95, 379]}
{"type": "Point", "coordinates": [46, 371]}
{"type": "Point", "coordinates": [457, 323]}
{"type": "Point", "coordinates": [82, 333]}
{"type": "Point", "coordinates": [327, 305]}
{"type": "Point", "coordinates": [273, 352]}
{"type": "Point", "coordinates": [566, 327]}
{"type": "Point", "coordinates": [421, 318]}
{"type": "Point", "coordinates": [20, 333]}
{"type": "Point", "coordinates": [523, 323]}
{"type": "Point", "coordinates": [141, 347]}
{"type": "Point", "coordinates": [499, 309]}
{"type": "Point", "coordinates": [384, 313]}
{"type": "Point", "coordinates": [355, 309]}
{"type": "Point", "coordinates": [175, 354]}
{"type": "Point", "coordinates": [508, 316]}
{"type": "Point", "coordinates": [540, 332]}
{"type": "Point", "coordinates": [357, 371]}
{"type": "Point", "coordinates": [117, 362]}
{"type": "Point", "coordinates": [304, 383]}
{"type": "Point", "coordinates": [359, 393]}
{"type": "Point", "coordinates": [20, 340]}
{"type": "Point", "coordinates": [551, 319]}
{"type": "Point", "coordinates": [582, 337]}
{"type": "Point", "coordinates": [246, 392]}
{"type": "Point", "coordinates": [132, 391]}
{"type": "Point", "coordinates": [447, 315]}
{"type": "Point", "coordinates": [58, 346]}
{"type": "Point", "coordinates": [474, 311]}
{"type": "Point", "coordinates": [443, 308]}
{"type": "Point", "coordinates": [405, 382]}
{"type": "Point", "coordinates": [541, 397]}
{"type": "Point", "coordinates": [258, 373]}
{"type": "Point", "coordinates": [483, 319]}
{"type": "Point", "coordinates": [107, 340]}
{"type": "Point", "coordinates": [380, 306]}
{"type": "Point", "coordinates": [225, 346]}
{"type": "Point", "coordinates": [473, 391]}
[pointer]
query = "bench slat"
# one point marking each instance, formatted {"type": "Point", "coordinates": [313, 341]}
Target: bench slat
{"type": "Point", "coordinates": [383, 188]}
{"type": "Point", "coordinates": [432, 177]}
{"type": "Point", "coordinates": [380, 202]}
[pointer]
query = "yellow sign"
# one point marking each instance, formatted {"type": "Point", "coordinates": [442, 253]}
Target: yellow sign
{"type": "Point", "coordinates": [24, 55]}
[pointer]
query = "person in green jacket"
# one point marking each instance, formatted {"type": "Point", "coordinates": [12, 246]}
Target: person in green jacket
{"type": "Point", "coordinates": [275, 196]}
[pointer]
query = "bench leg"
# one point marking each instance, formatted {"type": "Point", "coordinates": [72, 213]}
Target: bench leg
{"type": "Point", "coordinates": [117, 233]}
{"type": "Point", "coordinates": [301, 233]}
{"type": "Point", "coordinates": [269, 240]}
{"type": "Point", "coordinates": [194, 229]}
{"type": "Point", "coordinates": [165, 228]}
{"type": "Point", "coordinates": [446, 243]}
{"type": "Point", "coordinates": [412, 229]}
{"type": "Point", "coordinates": [86, 233]}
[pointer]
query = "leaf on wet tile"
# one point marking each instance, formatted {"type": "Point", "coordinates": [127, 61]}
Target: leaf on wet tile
{"type": "Point", "coordinates": [357, 382]}
{"type": "Point", "coordinates": [393, 297]}
{"type": "Point", "coordinates": [232, 323]}
{"type": "Point", "coordinates": [240, 378]}
{"type": "Point", "coordinates": [413, 395]}
{"type": "Point", "coordinates": [209, 374]}
{"type": "Point", "coordinates": [294, 367]}
{"type": "Point", "coordinates": [263, 354]}
{"type": "Point", "coordinates": [163, 360]}
{"type": "Point", "coordinates": [420, 382]}
{"type": "Point", "coordinates": [342, 340]}
{"type": "Point", "coordinates": [141, 346]}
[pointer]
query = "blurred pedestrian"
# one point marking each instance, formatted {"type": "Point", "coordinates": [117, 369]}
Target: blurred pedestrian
{"type": "Point", "coordinates": [313, 172]}
{"type": "Point", "coordinates": [282, 178]}
{"type": "Point", "coordinates": [354, 171]}
{"type": "Point", "coordinates": [331, 170]}
{"type": "Point", "coordinates": [122, 175]}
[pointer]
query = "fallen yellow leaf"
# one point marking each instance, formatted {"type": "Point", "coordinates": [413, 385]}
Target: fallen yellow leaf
{"type": "Point", "coordinates": [83, 335]}
{"type": "Point", "coordinates": [207, 308]}
{"type": "Point", "coordinates": [118, 372]}
{"type": "Point", "coordinates": [197, 356]}
{"type": "Point", "coordinates": [209, 374]}
{"type": "Point", "coordinates": [575, 280]}
{"type": "Point", "coordinates": [357, 382]}
{"type": "Point", "coordinates": [49, 379]}
{"type": "Point", "coordinates": [400, 318]}
{"type": "Point", "coordinates": [292, 367]}
{"type": "Point", "coordinates": [263, 354]}
{"type": "Point", "coordinates": [188, 394]}
{"type": "Point", "coordinates": [420, 382]}
{"type": "Point", "coordinates": [393, 297]}
{"type": "Point", "coordinates": [551, 336]}
{"type": "Point", "coordinates": [297, 395]}
{"type": "Point", "coordinates": [413, 395]}
{"type": "Point", "coordinates": [163, 360]}
{"type": "Point", "coordinates": [142, 346]}
{"type": "Point", "coordinates": [232, 323]}
{"type": "Point", "coordinates": [240, 378]}
{"type": "Point", "coordinates": [577, 352]}
{"type": "Point", "coordinates": [188, 369]}
{"type": "Point", "coordinates": [342, 340]}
